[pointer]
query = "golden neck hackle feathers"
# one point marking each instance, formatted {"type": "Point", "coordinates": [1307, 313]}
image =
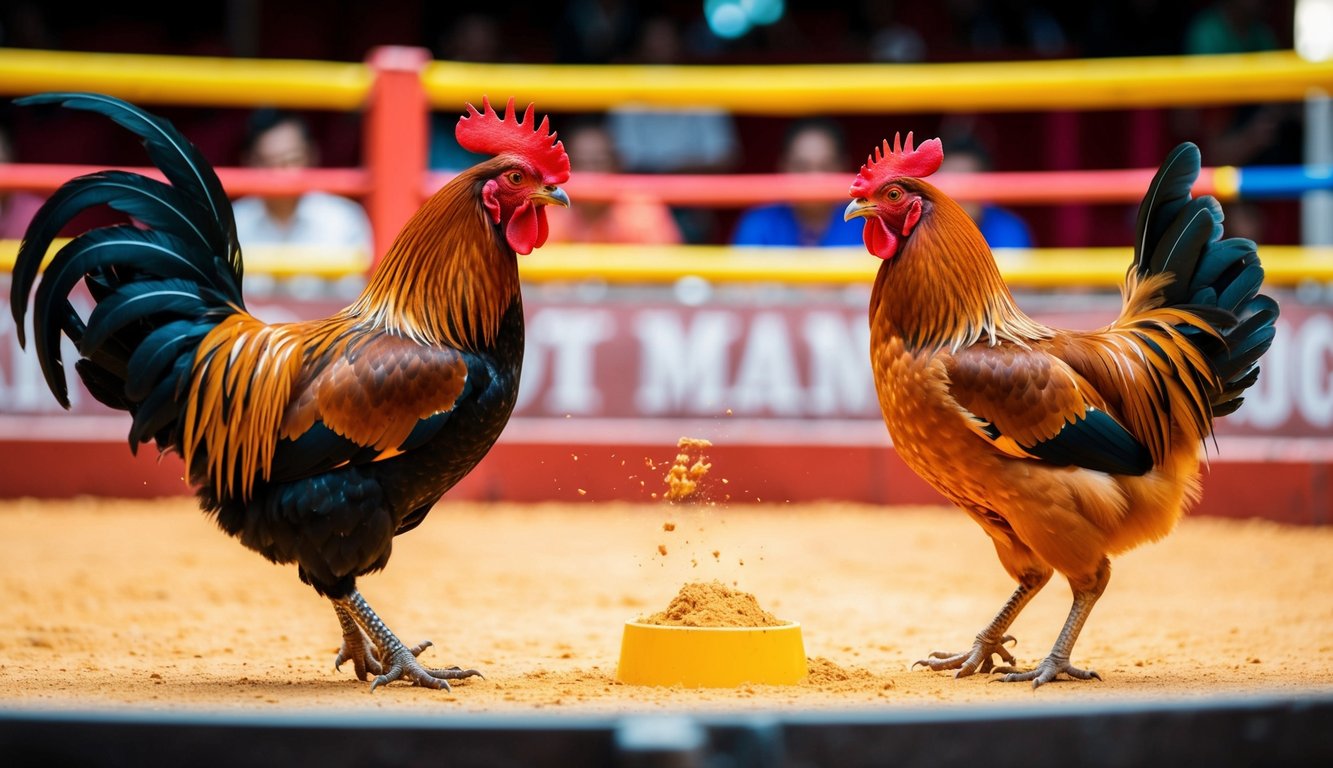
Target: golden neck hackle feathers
{"type": "Point", "coordinates": [943, 290]}
{"type": "Point", "coordinates": [447, 279]}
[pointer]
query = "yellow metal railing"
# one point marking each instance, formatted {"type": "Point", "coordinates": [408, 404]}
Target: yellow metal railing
{"type": "Point", "coordinates": [1168, 81]}
{"type": "Point", "coordinates": [1035, 268]}
{"type": "Point", "coordinates": [657, 264]}
{"type": "Point", "coordinates": [893, 88]}
{"type": "Point", "coordinates": [188, 80]}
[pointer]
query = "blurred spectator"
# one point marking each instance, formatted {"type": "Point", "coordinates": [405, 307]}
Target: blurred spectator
{"type": "Point", "coordinates": [1001, 227]}
{"type": "Point", "coordinates": [1230, 26]}
{"type": "Point", "coordinates": [811, 145]}
{"type": "Point", "coordinates": [1005, 28]}
{"type": "Point", "coordinates": [671, 140]}
{"type": "Point", "coordinates": [891, 35]}
{"type": "Point", "coordinates": [596, 31]}
{"type": "Point", "coordinates": [277, 140]}
{"type": "Point", "coordinates": [1133, 28]}
{"type": "Point", "coordinates": [17, 207]}
{"type": "Point", "coordinates": [1241, 134]}
{"type": "Point", "coordinates": [685, 139]}
{"type": "Point", "coordinates": [628, 219]}
{"type": "Point", "coordinates": [472, 37]}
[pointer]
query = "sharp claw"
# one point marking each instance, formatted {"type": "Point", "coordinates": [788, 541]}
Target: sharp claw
{"type": "Point", "coordinates": [382, 655]}
{"type": "Point", "coordinates": [388, 677]}
{"type": "Point", "coordinates": [978, 659]}
{"type": "Point", "coordinates": [1048, 671]}
{"type": "Point", "coordinates": [454, 673]}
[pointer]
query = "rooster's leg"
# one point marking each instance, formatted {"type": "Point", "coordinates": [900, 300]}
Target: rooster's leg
{"type": "Point", "coordinates": [990, 641]}
{"type": "Point", "coordinates": [356, 647]}
{"type": "Point", "coordinates": [1086, 592]}
{"type": "Point", "coordinates": [374, 649]}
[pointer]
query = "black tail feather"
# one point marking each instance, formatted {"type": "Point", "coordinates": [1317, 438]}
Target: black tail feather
{"type": "Point", "coordinates": [1166, 195]}
{"type": "Point", "coordinates": [178, 159]}
{"type": "Point", "coordinates": [158, 285]}
{"type": "Point", "coordinates": [139, 302]}
{"type": "Point", "coordinates": [1217, 279]}
{"type": "Point", "coordinates": [158, 352]}
{"type": "Point", "coordinates": [155, 255]}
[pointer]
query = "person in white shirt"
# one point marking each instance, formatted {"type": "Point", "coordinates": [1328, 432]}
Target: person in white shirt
{"type": "Point", "coordinates": [278, 139]}
{"type": "Point", "coordinates": [313, 220]}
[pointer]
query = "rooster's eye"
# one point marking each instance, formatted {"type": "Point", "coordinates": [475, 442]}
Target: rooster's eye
{"type": "Point", "coordinates": [895, 194]}
{"type": "Point", "coordinates": [515, 177]}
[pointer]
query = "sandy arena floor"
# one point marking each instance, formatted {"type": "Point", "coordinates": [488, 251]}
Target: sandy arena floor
{"type": "Point", "coordinates": [115, 604]}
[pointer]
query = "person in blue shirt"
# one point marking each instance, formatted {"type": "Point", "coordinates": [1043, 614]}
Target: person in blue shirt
{"type": "Point", "coordinates": [1001, 227]}
{"type": "Point", "coordinates": [810, 145]}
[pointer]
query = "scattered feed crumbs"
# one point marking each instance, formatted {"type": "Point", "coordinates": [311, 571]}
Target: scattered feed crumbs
{"type": "Point", "coordinates": [683, 478]}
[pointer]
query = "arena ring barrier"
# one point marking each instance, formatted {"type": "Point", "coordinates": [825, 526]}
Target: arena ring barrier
{"type": "Point", "coordinates": [397, 87]}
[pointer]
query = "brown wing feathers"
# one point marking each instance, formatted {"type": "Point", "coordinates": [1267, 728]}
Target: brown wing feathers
{"type": "Point", "coordinates": [255, 383]}
{"type": "Point", "coordinates": [377, 391]}
{"type": "Point", "coordinates": [1029, 396]}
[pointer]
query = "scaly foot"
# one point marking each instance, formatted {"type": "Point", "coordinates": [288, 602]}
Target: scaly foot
{"type": "Point", "coordinates": [1049, 669]}
{"type": "Point", "coordinates": [365, 657]}
{"type": "Point", "coordinates": [358, 649]}
{"type": "Point", "coordinates": [403, 665]}
{"type": "Point", "coordinates": [374, 650]}
{"type": "Point", "coordinates": [977, 660]}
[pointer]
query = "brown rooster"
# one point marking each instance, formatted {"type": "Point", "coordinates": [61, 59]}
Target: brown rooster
{"type": "Point", "coordinates": [314, 443]}
{"type": "Point", "coordinates": [1064, 446]}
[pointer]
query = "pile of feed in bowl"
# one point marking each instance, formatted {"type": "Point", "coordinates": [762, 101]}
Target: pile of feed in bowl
{"type": "Point", "coordinates": [713, 604]}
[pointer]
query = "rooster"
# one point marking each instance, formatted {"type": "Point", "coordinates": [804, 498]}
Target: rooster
{"type": "Point", "coordinates": [1065, 446]}
{"type": "Point", "coordinates": [317, 442]}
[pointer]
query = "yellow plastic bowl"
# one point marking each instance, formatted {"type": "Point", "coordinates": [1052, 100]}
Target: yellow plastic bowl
{"type": "Point", "coordinates": [711, 657]}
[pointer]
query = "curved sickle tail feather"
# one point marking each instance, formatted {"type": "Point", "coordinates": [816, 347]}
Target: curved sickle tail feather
{"type": "Point", "coordinates": [160, 284]}
{"type": "Point", "coordinates": [1217, 279]}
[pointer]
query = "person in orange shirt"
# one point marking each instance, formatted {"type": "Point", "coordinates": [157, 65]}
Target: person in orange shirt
{"type": "Point", "coordinates": [628, 219]}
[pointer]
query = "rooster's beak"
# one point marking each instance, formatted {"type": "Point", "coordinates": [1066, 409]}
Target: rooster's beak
{"type": "Point", "coordinates": [858, 207]}
{"type": "Point", "coordinates": [551, 195]}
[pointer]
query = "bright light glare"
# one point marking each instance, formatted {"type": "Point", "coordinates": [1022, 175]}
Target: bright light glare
{"type": "Point", "coordinates": [732, 18]}
{"type": "Point", "coordinates": [726, 18]}
{"type": "Point", "coordinates": [1314, 29]}
{"type": "Point", "coordinates": [761, 12]}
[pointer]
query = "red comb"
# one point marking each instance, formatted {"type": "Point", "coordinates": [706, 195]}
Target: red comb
{"type": "Point", "coordinates": [486, 133]}
{"type": "Point", "coordinates": [900, 161]}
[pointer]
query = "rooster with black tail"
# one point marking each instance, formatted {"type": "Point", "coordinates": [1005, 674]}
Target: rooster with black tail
{"type": "Point", "coordinates": [316, 442]}
{"type": "Point", "coordinates": [1065, 446]}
